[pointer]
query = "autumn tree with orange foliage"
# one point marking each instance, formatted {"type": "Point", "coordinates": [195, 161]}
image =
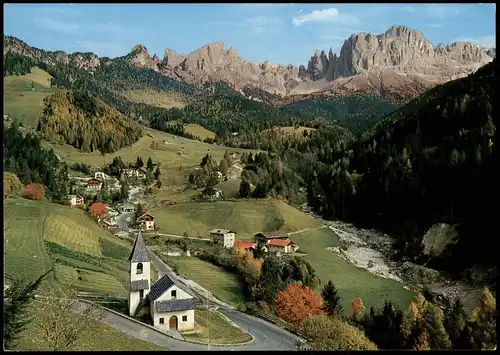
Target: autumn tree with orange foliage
{"type": "Point", "coordinates": [98, 209]}
{"type": "Point", "coordinates": [252, 265]}
{"type": "Point", "coordinates": [34, 192]}
{"type": "Point", "coordinates": [295, 303]}
{"type": "Point", "coordinates": [357, 307]}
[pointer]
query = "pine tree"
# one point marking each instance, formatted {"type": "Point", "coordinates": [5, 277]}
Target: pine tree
{"type": "Point", "coordinates": [157, 173]}
{"type": "Point", "coordinates": [455, 322]}
{"type": "Point", "coordinates": [149, 164]}
{"type": "Point", "coordinates": [244, 188]}
{"type": "Point", "coordinates": [16, 300]}
{"type": "Point", "coordinates": [331, 300]}
{"type": "Point", "coordinates": [139, 163]}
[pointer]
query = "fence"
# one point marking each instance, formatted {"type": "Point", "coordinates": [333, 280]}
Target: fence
{"type": "Point", "coordinates": [281, 323]}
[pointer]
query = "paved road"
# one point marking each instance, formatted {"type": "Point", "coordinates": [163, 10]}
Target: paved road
{"type": "Point", "coordinates": [267, 336]}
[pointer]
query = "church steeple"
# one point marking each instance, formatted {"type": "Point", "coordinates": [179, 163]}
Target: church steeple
{"type": "Point", "coordinates": [139, 252]}
{"type": "Point", "coordinates": [140, 274]}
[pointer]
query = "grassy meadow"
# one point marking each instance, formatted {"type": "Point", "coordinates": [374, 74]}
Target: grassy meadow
{"type": "Point", "coordinates": [213, 327]}
{"type": "Point", "coordinates": [154, 98]}
{"type": "Point", "coordinates": [248, 217]}
{"type": "Point", "coordinates": [20, 101]}
{"type": "Point", "coordinates": [199, 131]}
{"type": "Point", "coordinates": [291, 130]}
{"type": "Point", "coordinates": [41, 235]}
{"type": "Point", "coordinates": [223, 285]}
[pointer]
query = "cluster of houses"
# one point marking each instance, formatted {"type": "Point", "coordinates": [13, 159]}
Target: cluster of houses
{"type": "Point", "coordinates": [274, 242]}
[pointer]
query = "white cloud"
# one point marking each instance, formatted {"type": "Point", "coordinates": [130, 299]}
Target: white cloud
{"type": "Point", "coordinates": [331, 15]}
{"type": "Point", "coordinates": [74, 28]}
{"type": "Point", "coordinates": [258, 24]}
{"type": "Point", "coordinates": [299, 12]}
{"type": "Point", "coordinates": [485, 41]}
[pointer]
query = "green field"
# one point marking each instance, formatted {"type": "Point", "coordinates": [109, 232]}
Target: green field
{"type": "Point", "coordinates": [247, 217]}
{"type": "Point", "coordinates": [214, 328]}
{"type": "Point", "coordinates": [20, 102]}
{"type": "Point", "coordinates": [223, 285]}
{"type": "Point", "coordinates": [40, 235]}
{"type": "Point", "coordinates": [230, 188]}
{"type": "Point", "coordinates": [291, 130]}
{"type": "Point", "coordinates": [350, 280]}
{"type": "Point", "coordinates": [199, 131]}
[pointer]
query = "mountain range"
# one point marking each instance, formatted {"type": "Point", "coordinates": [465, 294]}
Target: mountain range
{"type": "Point", "coordinates": [397, 65]}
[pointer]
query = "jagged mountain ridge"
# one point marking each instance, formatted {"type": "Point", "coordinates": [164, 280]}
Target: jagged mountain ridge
{"type": "Point", "coordinates": [397, 65]}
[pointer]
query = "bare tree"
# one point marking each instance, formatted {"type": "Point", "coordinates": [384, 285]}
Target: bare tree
{"type": "Point", "coordinates": [66, 320]}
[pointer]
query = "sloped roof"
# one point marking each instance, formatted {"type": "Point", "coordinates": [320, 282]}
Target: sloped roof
{"type": "Point", "coordinates": [278, 243]}
{"type": "Point", "coordinates": [272, 235]}
{"type": "Point", "coordinates": [144, 215]}
{"type": "Point", "coordinates": [221, 231]}
{"type": "Point", "coordinates": [175, 305]}
{"type": "Point", "coordinates": [139, 285]}
{"type": "Point", "coordinates": [160, 287]}
{"type": "Point", "coordinates": [139, 251]}
{"type": "Point", "coordinates": [244, 245]}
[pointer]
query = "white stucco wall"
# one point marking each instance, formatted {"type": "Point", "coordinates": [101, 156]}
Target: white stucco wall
{"type": "Point", "coordinates": [150, 224]}
{"type": "Point", "coordinates": [134, 299]}
{"type": "Point", "coordinates": [167, 296]}
{"type": "Point", "coordinates": [229, 240]}
{"type": "Point", "coordinates": [274, 249]}
{"type": "Point", "coordinates": [182, 325]}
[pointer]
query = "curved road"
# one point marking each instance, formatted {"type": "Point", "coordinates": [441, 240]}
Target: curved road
{"type": "Point", "coordinates": [267, 336]}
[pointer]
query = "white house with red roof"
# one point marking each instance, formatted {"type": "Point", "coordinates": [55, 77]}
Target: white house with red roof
{"type": "Point", "coordinates": [281, 246]}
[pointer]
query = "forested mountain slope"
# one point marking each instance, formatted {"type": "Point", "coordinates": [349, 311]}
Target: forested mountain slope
{"type": "Point", "coordinates": [431, 161]}
{"type": "Point", "coordinates": [87, 123]}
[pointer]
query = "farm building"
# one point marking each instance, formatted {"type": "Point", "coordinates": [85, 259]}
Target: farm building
{"type": "Point", "coordinates": [224, 237]}
{"type": "Point", "coordinates": [101, 176]}
{"type": "Point", "coordinates": [146, 222]}
{"type": "Point", "coordinates": [280, 246]}
{"type": "Point", "coordinates": [128, 207]}
{"type": "Point", "coordinates": [94, 184]}
{"type": "Point", "coordinates": [134, 173]}
{"type": "Point", "coordinates": [76, 200]}
{"type": "Point", "coordinates": [266, 237]}
{"type": "Point", "coordinates": [169, 305]}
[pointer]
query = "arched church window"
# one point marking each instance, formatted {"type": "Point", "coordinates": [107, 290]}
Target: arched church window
{"type": "Point", "coordinates": [139, 268]}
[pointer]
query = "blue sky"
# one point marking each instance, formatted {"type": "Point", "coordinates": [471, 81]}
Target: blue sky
{"type": "Point", "coordinates": [282, 33]}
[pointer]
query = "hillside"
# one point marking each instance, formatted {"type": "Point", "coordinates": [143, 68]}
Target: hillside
{"type": "Point", "coordinates": [42, 234]}
{"type": "Point", "coordinates": [356, 112]}
{"type": "Point", "coordinates": [86, 123]}
{"type": "Point", "coordinates": [433, 158]}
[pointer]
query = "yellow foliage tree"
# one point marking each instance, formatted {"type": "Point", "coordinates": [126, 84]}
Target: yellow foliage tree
{"type": "Point", "coordinates": [327, 333]}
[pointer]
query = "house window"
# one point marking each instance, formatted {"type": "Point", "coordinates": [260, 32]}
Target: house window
{"type": "Point", "coordinates": [139, 268]}
{"type": "Point", "coordinates": [162, 320]}
{"type": "Point", "coordinates": [173, 293]}
{"type": "Point", "coordinates": [184, 318]}
{"type": "Point", "coordinates": [141, 294]}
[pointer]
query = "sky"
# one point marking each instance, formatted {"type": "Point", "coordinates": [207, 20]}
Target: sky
{"type": "Point", "coordinates": [281, 33]}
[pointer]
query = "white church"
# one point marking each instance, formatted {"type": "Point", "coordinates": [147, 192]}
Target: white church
{"type": "Point", "coordinates": [169, 306]}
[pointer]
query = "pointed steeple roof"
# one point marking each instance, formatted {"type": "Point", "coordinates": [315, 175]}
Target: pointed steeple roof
{"type": "Point", "coordinates": [139, 251]}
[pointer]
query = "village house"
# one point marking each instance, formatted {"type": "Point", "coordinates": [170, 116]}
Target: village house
{"type": "Point", "coordinates": [134, 173]}
{"type": "Point", "coordinates": [223, 237]}
{"type": "Point", "coordinates": [280, 246]}
{"type": "Point", "coordinates": [264, 238]}
{"type": "Point", "coordinates": [218, 174]}
{"type": "Point", "coordinates": [169, 304]}
{"type": "Point", "coordinates": [104, 223]}
{"type": "Point", "coordinates": [128, 207]}
{"type": "Point", "coordinates": [76, 200]}
{"type": "Point", "coordinates": [94, 185]}
{"type": "Point", "coordinates": [248, 246]}
{"type": "Point", "coordinates": [101, 176]}
{"type": "Point", "coordinates": [146, 222]}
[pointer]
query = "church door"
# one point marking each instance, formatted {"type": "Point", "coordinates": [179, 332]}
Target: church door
{"type": "Point", "coordinates": [172, 322]}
